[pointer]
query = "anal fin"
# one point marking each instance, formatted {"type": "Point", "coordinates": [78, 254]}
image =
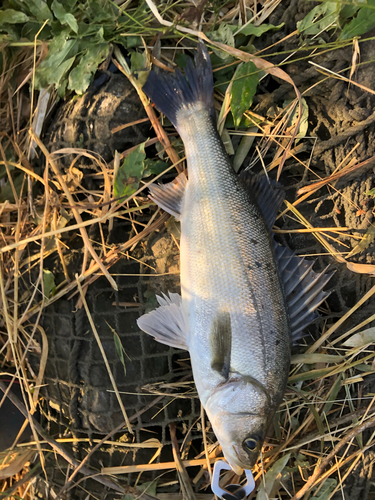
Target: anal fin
{"type": "Point", "coordinates": [169, 196]}
{"type": "Point", "coordinates": [168, 324]}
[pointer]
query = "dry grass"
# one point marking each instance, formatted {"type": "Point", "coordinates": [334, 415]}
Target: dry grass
{"type": "Point", "coordinates": [37, 216]}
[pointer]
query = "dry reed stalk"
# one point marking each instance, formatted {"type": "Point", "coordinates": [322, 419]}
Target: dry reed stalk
{"type": "Point", "coordinates": [127, 469]}
{"type": "Point", "coordinates": [185, 482]}
{"type": "Point", "coordinates": [335, 176]}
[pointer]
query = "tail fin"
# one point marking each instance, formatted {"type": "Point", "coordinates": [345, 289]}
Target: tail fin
{"type": "Point", "coordinates": [172, 92]}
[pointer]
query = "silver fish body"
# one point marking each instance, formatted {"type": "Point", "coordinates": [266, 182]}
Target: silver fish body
{"type": "Point", "coordinates": [233, 315]}
{"type": "Point", "coordinates": [228, 269]}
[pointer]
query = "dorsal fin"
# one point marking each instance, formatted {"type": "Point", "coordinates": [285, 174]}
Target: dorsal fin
{"type": "Point", "coordinates": [303, 288]}
{"type": "Point", "coordinates": [267, 194]}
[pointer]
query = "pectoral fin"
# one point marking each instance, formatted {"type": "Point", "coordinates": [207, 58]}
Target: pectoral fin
{"type": "Point", "coordinates": [221, 343]}
{"type": "Point", "coordinates": [169, 196]}
{"type": "Point", "coordinates": [168, 324]}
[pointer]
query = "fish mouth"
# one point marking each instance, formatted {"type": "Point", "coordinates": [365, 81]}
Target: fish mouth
{"type": "Point", "coordinates": [234, 460]}
{"type": "Point", "coordinates": [236, 469]}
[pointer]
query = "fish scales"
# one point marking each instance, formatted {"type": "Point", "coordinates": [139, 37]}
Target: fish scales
{"type": "Point", "coordinates": [234, 315]}
{"type": "Point", "coordinates": [227, 260]}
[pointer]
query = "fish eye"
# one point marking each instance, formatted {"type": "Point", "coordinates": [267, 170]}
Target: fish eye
{"type": "Point", "coordinates": [250, 444]}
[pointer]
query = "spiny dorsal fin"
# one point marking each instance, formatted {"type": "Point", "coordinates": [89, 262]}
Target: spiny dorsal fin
{"type": "Point", "coordinates": [265, 193]}
{"type": "Point", "coordinates": [303, 288]}
{"type": "Point", "coordinates": [168, 324]}
{"type": "Point", "coordinates": [169, 196]}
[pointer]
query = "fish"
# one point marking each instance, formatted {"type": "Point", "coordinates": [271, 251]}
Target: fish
{"type": "Point", "coordinates": [244, 298]}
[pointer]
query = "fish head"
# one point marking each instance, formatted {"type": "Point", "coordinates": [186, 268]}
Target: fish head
{"type": "Point", "coordinates": [240, 412]}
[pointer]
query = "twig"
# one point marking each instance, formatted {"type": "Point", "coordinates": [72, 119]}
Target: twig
{"type": "Point", "coordinates": [112, 257]}
{"type": "Point", "coordinates": [102, 218]}
{"type": "Point", "coordinates": [160, 132]}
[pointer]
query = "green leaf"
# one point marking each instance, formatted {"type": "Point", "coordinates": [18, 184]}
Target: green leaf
{"type": "Point", "coordinates": [243, 149]}
{"type": "Point", "coordinates": [119, 349]}
{"type": "Point", "coordinates": [60, 58]}
{"type": "Point", "coordinates": [363, 22]}
{"type": "Point", "coordinates": [347, 12]}
{"type": "Point", "coordinates": [137, 61]}
{"type": "Point", "coordinates": [319, 18]}
{"type": "Point", "coordinates": [326, 490]}
{"type": "Point", "coordinates": [364, 368]}
{"type": "Point", "coordinates": [181, 60]}
{"type": "Point", "coordinates": [133, 41]}
{"type": "Point", "coordinates": [309, 375]}
{"type": "Point", "coordinates": [80, 77]}
{"type": "Point", "coordinates": [271, 481]}
{"type": "Point", "coordinates": [149, 487]}
{"type": "Point", "coordinates": [99, 36]}
{"type": "Point", "coordinates": [6, 191]}
{"type": "Point", "coordinates": [223, 35]}
{"type": "Point", "coordinates": [365, 242]}
{"type": "Point", "coordinates": [154, 167]}
{"type": "Point", "coordinates": [316, 357]}
{"type": "Point", "coordinates": [32, 28]}
{"type": "Point", "coordinates": [48, 284]}
{"type": "Point", "coordinates": [69, 4]}
{"type": "Point", "coordinates": [98, 12]}
{"type": "Point", "coordinates": [130, 173]}
{"type": "Point", "coordinates": [332, 395]}
{"type": "Point", "coordinates": [11, 16]}
{"type": "Point", "coordinates": [139, 67]}
{"type": "Point", "coordinates": [63, 16]}
{"type": "Point", "coordinates": [361, 339]}
{"type": "Point", "coordinates": [40, 10]}
{"type": "Point", "coordinates": [250, 29]}
{"type": "Point", "coordinates": [243, 90]}
{"type": "Point", "coordinates": [304, 122]}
